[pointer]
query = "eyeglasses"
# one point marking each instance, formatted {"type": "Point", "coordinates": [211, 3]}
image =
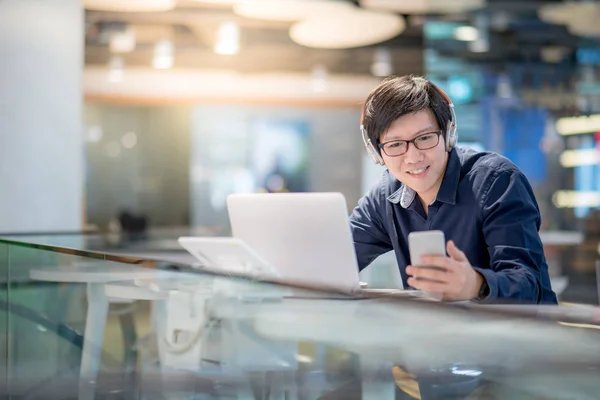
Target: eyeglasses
{"type": "Point", "coordinates": [426, 141]}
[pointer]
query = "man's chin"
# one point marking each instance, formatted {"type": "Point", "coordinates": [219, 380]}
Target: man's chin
{"type": "Point", "coordinates": [420, 187]}
{"type": "Point", "coordinates": [417, 185]}
{"type": "Point", "coordinates": [408, 185]}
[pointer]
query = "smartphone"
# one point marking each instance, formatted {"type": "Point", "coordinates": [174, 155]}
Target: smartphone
{"type": "Point", "coordinates": [425, 243]}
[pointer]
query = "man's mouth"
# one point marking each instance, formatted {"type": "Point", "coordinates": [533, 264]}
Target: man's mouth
{"type": "Point", "coordinates": [417, 171]}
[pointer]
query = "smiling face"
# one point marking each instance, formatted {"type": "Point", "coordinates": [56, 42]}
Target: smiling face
{"type": "Point", "coordinates": [421, 170]}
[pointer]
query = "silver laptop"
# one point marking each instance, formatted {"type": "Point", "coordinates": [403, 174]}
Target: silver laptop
{"type": "Point", "coordinates": [305, 236]}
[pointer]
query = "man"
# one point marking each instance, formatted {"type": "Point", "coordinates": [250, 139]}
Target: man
{"type": "Point", "coordinates": [481, 201]}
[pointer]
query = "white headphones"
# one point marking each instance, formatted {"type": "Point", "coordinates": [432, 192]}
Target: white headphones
{"type": "Point", "coordinates": [451, 131]}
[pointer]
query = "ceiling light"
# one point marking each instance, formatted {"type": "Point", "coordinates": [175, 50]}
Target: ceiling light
{"type": "Point", "coordinates": [482, 43]}
{"type": "Point", "coordinates": [116, 69]}
{"type": "Point", "coordinates": [578, 125]}
{"type": "Point", "coordinates": [423, 6]}
{"type": "Point", "coordinates": [346, 30]}
{"type": "Point", "coordinates": [289, 10]}
{"type": "Point", "coordinates": [163, 55]}
{"type": "Point", "coordinates": [122, 42]}
{"type": "Point", "coordinates": [319, 79]}
{"type": "Point", "coordinates": [504, 88]}
{"type": "Point", "coordinates": [382, 62]}
{"type": "Point", "coordinates": [578, 158]}
{"type": "Point", "coordinates": [572, 199]}
{"type": "Point", "coordinates": [130, 5]}
{"type": "Point", "coordinates": [228, 39]}
{"type": "Point", "coordinates": [466, 33]}
{"type": "Point", "coordinates": [581, 18]}
{"type": "Point", "coordinates": [479, 46]}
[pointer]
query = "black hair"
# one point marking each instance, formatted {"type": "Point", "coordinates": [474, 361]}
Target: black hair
{"type": "Point", "coordinates": [397, 96]}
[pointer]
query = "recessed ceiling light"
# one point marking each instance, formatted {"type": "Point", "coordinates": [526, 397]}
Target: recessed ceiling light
{"type": "Point", "coordinates": [228, 39]}
{"type": "Point", "coordinates": [123, 42]}
{"type": "Point", "coordinates": [130, 5]}
{"type": "Point", "coordinates": [163, 55]}
{"type": "Point", "coordinates": [347, 30]}
{"type": "Point", "coordinates": [289, 10]}
{"type": "Point", "coordinates": [382, 62]}
{"type": "Point", "coordinates": [466, 33]}
{"type": "Point", "coordinates": [319, 78]}
{"type": "Point", "coordinates": [480, 45]}
{"type": "Point", "coordinates": [116, 69]}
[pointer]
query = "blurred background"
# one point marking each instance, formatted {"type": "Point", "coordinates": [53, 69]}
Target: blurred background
{"type": "Point", "coordinates": [142, 115]}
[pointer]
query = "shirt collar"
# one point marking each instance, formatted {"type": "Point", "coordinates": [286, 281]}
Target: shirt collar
{"type": "Point", "coordinates": [404, 196]}
{"type": "Point", "coordinates": [447, 193]}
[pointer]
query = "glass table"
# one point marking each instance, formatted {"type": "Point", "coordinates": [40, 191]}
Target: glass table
{"type": "Point", "coordinates": [80, 321]}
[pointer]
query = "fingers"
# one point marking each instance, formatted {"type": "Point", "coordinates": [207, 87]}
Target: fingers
{"type": "Point", "coordinates": [442, 261]}
{"type": "Point", "coordinates": [454, 252]}
{"type": "Point", "coordinates": [432, 274]}
{"type": "Point", "coordinates": [437, 261]}
{"type": "Point", "coordinates": [448, 276]}
{"type": "Point", "coordinates": [428, 286]}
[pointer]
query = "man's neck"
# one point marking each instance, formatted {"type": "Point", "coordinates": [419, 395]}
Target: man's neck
{"type": "Point", "coordinates": [426, 201]}
{"type": "Point", "coordinates": [425, 205]}
{"type": "Point", "coordinates": [428, 197]}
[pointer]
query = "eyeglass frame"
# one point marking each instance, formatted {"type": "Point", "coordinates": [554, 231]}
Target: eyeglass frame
{"type": "Point", "coordinates": [413, 141]}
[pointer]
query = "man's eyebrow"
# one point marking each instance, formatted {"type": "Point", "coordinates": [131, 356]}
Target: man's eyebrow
{"type": "Point", "coordinates": [427, 129]}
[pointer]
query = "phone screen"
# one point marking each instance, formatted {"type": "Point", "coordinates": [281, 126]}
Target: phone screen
{"type": "Point", "coordinates": [426, 243]}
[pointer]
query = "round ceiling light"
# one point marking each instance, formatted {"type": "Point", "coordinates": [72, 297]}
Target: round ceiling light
{"type": "Point", "coordinates": [580, 18]}
{"type": "Point", "coordinates": [130, 5]}
{"type": "Point", "coordinates": [347, 30]}
{"type": "Point", "coordinates": [422, 6]}
{"type": "Point", "coordinates": [289, 10]}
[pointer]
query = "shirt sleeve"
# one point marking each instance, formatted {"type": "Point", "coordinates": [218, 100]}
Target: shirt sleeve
{"type": "Point", "coordinates": [368, 229]}
{"type": "Point", "coordinates": [511, 222]}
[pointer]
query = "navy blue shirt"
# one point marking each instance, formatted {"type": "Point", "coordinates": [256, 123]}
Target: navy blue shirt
{"type": "Point", "coordinates": [485, 205]}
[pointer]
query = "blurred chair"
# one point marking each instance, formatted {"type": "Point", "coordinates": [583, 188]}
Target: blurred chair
{"type": "Point", "coordinates": [133, 224]}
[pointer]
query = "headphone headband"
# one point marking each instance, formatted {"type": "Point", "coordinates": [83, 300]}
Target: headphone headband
{"type": "Point", "coordinates": [451, 129]}
{"type": "Point", "coordinates": [371, 150]}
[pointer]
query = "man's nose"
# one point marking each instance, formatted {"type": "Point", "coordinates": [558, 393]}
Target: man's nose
{"type": "Point", "coordinates": [412, 155]}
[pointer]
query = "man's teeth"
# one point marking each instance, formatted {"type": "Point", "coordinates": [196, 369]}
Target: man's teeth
{"type": "Point", "coordinates": [417, 171]}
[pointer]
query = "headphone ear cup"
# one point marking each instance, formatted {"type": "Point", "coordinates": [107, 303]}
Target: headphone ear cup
{"type": "Point", "coordinates": [375, 156]}
{"type": "Point", "coordinates": [451, 137]}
